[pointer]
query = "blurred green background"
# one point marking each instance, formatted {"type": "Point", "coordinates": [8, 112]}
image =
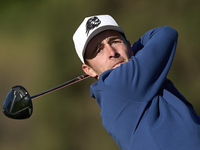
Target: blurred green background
{"type": "Point", "coordinates": [37, 52]}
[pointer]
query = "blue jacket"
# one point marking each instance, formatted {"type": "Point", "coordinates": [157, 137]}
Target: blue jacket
{"type": "Point", "coordinates": [140, 108]}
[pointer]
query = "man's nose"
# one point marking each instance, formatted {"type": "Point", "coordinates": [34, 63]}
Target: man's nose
{"type": "Point", "coordinates": [111, 51]}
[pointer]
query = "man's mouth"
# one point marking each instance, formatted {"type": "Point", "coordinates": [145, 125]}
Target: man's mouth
{"type": "Point", "coordinates": [117, 64]}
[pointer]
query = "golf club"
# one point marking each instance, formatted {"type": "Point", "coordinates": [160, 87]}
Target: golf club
{"type": "Point", "coordinates": [18, 103]}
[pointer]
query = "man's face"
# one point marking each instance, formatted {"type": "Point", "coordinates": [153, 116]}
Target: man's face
{"type": "Point", "coordinates": [107, 50]}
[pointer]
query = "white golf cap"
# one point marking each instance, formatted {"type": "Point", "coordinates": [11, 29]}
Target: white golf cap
{"type": "Point", "coordinates": [90, 27]}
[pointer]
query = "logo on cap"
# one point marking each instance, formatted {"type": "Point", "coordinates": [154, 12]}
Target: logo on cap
{"type": "Point", "coordinates": [92, 23]}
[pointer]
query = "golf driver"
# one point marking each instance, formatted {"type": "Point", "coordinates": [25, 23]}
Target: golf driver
{"type": "Point", "coordinates": [18, 103]}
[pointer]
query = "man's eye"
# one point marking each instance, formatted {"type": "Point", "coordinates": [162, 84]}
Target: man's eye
{"type": "Point", "coordinates": [116, 41]}
{"type": "Point", "coordinates": [99, 50]}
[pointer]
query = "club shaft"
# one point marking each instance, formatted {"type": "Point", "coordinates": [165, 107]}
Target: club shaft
{"type": "Point", "coordinates": [75, 80]}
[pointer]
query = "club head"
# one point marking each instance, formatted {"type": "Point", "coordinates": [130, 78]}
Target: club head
{"type": "Point", "coordinates": [18, 104]}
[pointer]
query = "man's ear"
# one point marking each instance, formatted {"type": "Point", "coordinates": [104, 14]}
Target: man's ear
{"type": "Point", "coordinates": [89, 71]}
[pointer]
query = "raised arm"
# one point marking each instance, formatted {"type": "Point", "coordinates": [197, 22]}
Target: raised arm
{"type": "Point", "coordinates": [147, 70]}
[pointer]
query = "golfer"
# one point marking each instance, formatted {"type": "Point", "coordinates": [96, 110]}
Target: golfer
{"type": "Point", "coordinates": [140, 108]}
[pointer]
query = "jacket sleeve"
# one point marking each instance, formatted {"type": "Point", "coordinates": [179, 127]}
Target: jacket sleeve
{"type": "Point", "coordinates": [141, 77]}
